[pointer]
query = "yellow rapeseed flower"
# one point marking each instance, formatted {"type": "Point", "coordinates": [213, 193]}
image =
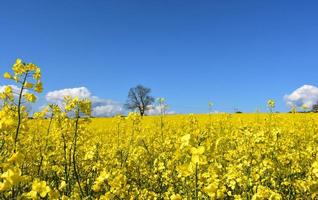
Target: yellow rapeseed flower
{"type": "Point", "coordinates": [7, 75]}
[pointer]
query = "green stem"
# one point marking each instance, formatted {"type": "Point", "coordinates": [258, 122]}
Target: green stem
{"type": "Point", "coordinates": [46, 143]}
{"type": "Point", "coordinates": [74, 154]}
{"type": "Point", "coordinates": [19, 111]}
{"type": "Point", "coordinates": [196, 181]}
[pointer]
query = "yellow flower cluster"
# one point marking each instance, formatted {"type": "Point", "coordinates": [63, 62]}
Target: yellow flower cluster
{"type": "Point", "coordinates": [62, 153]}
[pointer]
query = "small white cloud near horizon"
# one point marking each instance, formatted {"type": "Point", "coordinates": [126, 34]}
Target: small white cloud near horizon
{"type": "Point", "coordinates": [100, 107]}
{"type": "Point", "coordinates": [304, 95]}
{"type": "Point", "coordinates": [156, 110]}
{"type": "Point", "coordinates": [105, 107]}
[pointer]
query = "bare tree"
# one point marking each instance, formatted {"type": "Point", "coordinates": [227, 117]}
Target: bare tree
{"type": "Point", "coordinates": [315, 107]}
{"type": "Point", "coordinates": [139, 99]}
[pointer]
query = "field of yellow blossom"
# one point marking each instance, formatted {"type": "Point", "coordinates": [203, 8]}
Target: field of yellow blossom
{"type": "Point", "coordinates": [62, 153]}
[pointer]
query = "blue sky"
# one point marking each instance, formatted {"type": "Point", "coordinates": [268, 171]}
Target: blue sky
{"type": "Point", "coordinates": [237, 54]}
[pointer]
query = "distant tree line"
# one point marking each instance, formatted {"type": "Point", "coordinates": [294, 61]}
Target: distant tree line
{"type": "Point", "coordinates": [139, 99]}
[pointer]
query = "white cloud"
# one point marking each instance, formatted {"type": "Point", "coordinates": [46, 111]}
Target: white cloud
{"type": "Point", "coordinates": [57, 96]}
{"type": "Point", "coordinates": [156, 110]}
{"type": "Point", "coordinates": [306, 94]}
{"type": "Point", "coordinates": [15, 89]}
{"type": "Point", "coordinates": [100, 107]}
{"type": "Point", "coordinates": [107, 110]}
{"type": "Point", "coordinates": [105, 107]}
